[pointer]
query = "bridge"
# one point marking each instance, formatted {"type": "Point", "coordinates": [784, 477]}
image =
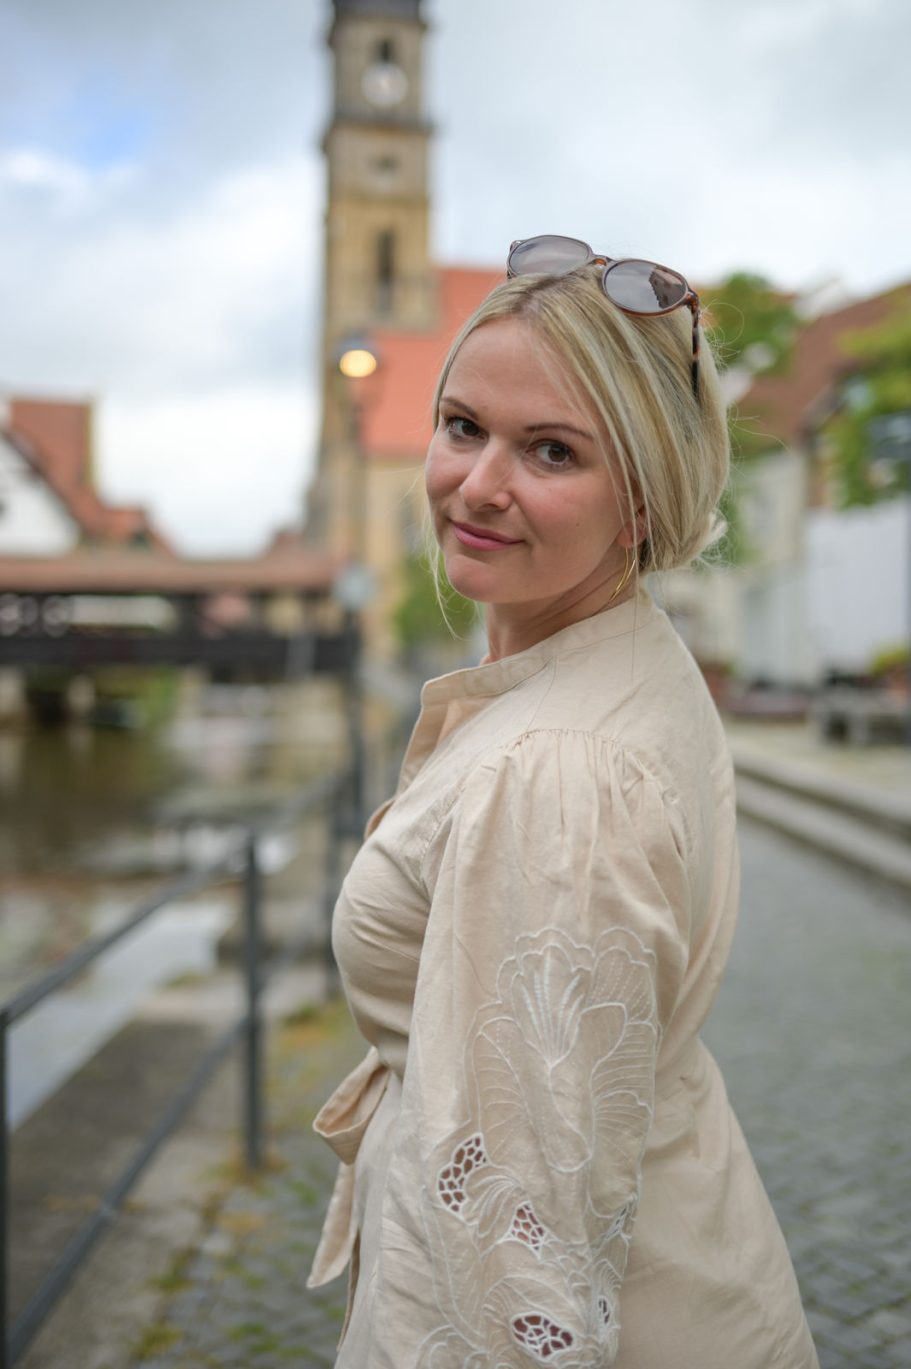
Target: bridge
{"type": "Point", "coordinates": [273, 616]}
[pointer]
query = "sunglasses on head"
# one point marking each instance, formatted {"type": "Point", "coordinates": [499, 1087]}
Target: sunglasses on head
{"type": "Point", "coordinates": [635, 286]}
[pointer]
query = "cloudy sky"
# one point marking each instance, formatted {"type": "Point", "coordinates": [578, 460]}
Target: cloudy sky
{"type": "Point", "coordinates": [161, 194]}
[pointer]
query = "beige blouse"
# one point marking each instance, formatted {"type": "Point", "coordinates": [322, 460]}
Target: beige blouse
{"type": "Point", "coordinates": [540, 1165]}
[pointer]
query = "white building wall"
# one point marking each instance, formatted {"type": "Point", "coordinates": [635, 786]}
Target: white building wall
{"type": "Point", "coordinates": [858, 568]}
{"type": "Point", "coordinates": [775, 645]}
{"type": "Point", "coordinates": [704, 607]}
{"type": "Point", "coordinates": [772, 504]}
{"type": "Point", "coordinates": [33, 521]}
{"type": "Point", "coordinates": [753, 617]}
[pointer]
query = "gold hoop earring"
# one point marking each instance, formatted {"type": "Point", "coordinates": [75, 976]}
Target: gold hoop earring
{"type": "Point", "coordinates": [629, 567]}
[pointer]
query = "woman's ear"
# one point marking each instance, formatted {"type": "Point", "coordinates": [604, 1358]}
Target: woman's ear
{"type": "Point", "coordinates": [633, 532]}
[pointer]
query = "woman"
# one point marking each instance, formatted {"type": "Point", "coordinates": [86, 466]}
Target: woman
{"type": "Point", "coordinates": [539, 1161]}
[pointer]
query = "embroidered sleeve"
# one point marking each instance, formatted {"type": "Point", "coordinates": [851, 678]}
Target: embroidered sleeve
{"type": "Point", "coordinates": [555, 950]}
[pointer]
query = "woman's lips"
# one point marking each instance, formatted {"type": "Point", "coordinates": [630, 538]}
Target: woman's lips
{"type": "Point", "coordinates": [482, 540]}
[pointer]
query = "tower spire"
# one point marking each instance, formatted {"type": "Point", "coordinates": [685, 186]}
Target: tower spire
{"type": "Point", "coordinates": [378, 272]}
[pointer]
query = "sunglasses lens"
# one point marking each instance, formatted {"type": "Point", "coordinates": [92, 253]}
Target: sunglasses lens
{"type": "Point", "coordinates": [643, 287]}
{"type": "Point", "coordinates": [548, 256]}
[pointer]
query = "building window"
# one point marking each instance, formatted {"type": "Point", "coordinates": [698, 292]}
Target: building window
{"type": "Point", "coordinates": [384, 174]}
{"type": "Point", "coordinates": [385, 270]}
{"type": "Point", "coordinates": [385, 50]}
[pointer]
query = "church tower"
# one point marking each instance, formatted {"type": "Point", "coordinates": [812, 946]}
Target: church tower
{"type": "Point", "coordinates": [378, 271]}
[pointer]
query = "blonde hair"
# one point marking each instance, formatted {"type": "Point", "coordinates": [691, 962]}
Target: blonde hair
{"type": "Point", "coordinates": [669, 447]}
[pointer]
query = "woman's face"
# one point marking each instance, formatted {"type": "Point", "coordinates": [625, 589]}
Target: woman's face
{"type": "Point", "coordinates": [523, 502]}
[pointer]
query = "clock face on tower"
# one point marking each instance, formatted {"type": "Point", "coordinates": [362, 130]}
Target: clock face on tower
{"type": "Point", "coordinates": [384, 84]}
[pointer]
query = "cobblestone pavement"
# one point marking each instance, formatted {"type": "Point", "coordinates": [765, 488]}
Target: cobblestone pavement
{"type": "Point", "coordinates": [240, 1299]}
{"type": "Point", "coordinates": [812, 1028]}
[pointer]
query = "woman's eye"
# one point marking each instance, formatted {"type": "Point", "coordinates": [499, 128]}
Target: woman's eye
{"type": "Point", "coordinates": [554, 455]}
{"type": "Point", "coordinates": [460, 427]}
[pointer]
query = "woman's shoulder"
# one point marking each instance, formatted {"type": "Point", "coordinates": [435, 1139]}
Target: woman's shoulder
{"type": "Point", "coordinates": [570, 781]}
{"type": "Point", "coordinates": [645, 696]}
{"type": "Point", "coordinates": [568, 755]}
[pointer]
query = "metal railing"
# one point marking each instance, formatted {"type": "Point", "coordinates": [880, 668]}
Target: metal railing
{"type": "Point", "coordinates": [340, 796]}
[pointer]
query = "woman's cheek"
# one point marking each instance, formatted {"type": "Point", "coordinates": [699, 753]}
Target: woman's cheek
{"type": "Point", "coordinates": [440, 476]}
{"type": "Point", "coordinates": [430, 470]}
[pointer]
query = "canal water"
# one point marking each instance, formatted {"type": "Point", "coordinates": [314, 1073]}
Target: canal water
{"type": "Point", "coordinates": [93, 819]}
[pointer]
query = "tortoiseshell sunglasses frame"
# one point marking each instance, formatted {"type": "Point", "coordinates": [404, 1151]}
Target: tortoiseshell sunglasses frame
{"type": "Point", "coordinates": [689, 296]}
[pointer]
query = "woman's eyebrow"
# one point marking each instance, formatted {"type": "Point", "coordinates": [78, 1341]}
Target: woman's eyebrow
{"type": "Point", "coordinates": [529, 428]}
{"type": "Point", "coordinates": [562, 427]}
{"type": "Point", "coordinates": [459, 404]}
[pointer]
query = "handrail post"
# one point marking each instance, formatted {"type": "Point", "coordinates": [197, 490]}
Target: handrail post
{"type": "Point", "coordinates": [253, 1110]}
{"type": "Point", "coordinates": [4, 1194]}
{"type": "Point", "coordinates": [335, 831]}
{"type": "Point", "coordinates": [355, 711]}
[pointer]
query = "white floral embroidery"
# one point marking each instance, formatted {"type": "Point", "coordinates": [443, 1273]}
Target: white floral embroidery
{"type": "Point", "coordinates": [530, 1218]}
{"type": "Point", "coordinates": [541, 1336]}
{"type": "Point", "coordinates": [526, 1227]}
{"type": "Point", "coordinates": [451, 1180]}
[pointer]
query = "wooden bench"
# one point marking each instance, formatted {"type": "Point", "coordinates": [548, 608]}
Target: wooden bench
{"type": "Point", "coordinates": [860, 716]}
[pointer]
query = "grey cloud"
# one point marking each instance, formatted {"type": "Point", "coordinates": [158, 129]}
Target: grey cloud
{"type": "Point", "coordinates": [219, 83]}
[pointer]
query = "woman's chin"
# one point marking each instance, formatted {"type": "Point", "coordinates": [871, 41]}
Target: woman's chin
{"type": "Point", "coordinates": [469, 579]}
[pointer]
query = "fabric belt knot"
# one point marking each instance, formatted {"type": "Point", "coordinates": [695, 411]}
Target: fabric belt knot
{"type": "Point", "coordinates": [342, 1123]}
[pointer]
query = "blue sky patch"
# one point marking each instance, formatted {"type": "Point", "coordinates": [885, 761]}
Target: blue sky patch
{"type": "Point", "coordinates": [105, 128]}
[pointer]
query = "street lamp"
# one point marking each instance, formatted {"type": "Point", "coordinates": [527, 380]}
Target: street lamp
{"type": "Point", "coordinates": [356, 360]}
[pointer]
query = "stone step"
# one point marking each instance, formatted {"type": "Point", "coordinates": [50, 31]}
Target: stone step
{"type": "Point", "coordinates": [875, 807]}
{"type": "Point", "coordinates": [844, 835]}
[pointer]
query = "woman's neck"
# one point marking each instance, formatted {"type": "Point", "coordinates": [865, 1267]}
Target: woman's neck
{"type": "Point", "coordinates": [512, 628]}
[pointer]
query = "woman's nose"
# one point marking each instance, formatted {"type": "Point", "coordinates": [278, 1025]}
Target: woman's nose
{"type": "Point", "coordinates": [487, 483]}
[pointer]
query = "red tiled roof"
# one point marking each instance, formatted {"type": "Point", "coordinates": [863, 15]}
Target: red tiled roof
{"type": "Point", "coordinates": [286, 539]}
{"type": "Point", "coordinates": [120, 570]}
{"type": "Point", "coordinates": [783, 407]}
{"type": "Point", "coordinates": [397, 414]}
{"type": "Point", "coordinates": [56, 437]}
{"type": "Point", "coordinates": [61, 433]}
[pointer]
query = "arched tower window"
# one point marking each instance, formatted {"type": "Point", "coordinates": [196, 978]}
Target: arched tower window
{"type": "Point", "coordinates": [385, 270]}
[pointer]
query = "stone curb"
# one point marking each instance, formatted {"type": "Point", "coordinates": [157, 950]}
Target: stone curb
{"type": "Point", "coordinates": [892, 812]}
{"type": "Point", "coordinates": [843, 838]}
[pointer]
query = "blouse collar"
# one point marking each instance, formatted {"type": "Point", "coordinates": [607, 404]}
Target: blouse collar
{"type": "Point", "coordinates": [499, 676]}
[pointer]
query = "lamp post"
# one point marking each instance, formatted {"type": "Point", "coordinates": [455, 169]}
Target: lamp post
{"type": "Point", "coordinates": [356, 360]}
{"type": "Point", "coordinates": [890, 439]}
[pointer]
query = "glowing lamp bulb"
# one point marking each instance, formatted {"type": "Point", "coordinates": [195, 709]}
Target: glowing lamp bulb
{"type": "Point", "coordinates": [357, 363]}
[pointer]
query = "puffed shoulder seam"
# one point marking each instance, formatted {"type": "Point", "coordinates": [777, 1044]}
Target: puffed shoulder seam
{"type": "Point", "coordinates": [499, 752]}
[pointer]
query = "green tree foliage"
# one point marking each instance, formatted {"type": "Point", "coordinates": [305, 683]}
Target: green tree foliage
{"type": "Point", "coordinates": [418, 618]}
{"type": "Point", "coordinates": [750, 322]}
{"type": "Point", "coordinates": [880, 386]}
{"type": "Point", "coordinates": [733, 547]}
